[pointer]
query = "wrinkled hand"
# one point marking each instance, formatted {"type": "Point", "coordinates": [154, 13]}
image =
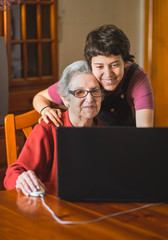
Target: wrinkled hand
{"type": "Point", "coordinates": [53, 114]}
{"type": "Point", "coordinates": [28, 182]}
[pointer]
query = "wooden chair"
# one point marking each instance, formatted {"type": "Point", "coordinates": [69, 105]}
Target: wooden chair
{"type": "Point", "coordinates": [23, 121]}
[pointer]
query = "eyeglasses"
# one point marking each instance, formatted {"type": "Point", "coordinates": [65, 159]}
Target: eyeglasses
{"type": "Point", "coordinates": [81, 93]}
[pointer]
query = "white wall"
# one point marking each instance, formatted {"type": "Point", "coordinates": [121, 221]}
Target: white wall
{"type": "Point", "coordinates": [78, 17]}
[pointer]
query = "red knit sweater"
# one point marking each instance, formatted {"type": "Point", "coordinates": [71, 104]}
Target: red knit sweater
{"type": "Point", "coordinates": [38, 154]}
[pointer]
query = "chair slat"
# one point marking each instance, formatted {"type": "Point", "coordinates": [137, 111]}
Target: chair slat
{"type": "Point", "coordinates": [26, 119]}
{"type": "Point", "coordinates": [10, 138]}
{"type": "Point", "coordinates": [25, 122]}
{"type": "Point", "coordinates": [27, 131]}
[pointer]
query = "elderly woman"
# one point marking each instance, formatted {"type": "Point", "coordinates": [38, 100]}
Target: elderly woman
{"type": "Point", "coordinates": [37, 162]}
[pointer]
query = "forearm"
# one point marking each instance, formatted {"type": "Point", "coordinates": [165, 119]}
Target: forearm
{"type": "Point", "coordinates": [49, 109]}
{"type": "Point", "coordinates": [39, 102]}
{"type": "Point", "coordinates": [144, 118]}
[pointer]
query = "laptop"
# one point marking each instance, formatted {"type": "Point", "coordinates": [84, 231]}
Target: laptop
{"type": "Point", "coordinates": [116, 164]}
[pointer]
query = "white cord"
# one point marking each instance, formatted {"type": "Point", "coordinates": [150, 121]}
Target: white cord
{"type": "Point", "coordinates": [97, 219]}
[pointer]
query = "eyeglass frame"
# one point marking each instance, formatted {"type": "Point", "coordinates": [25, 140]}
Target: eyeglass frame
{"type": "Point", "coordinates": [91, 91]}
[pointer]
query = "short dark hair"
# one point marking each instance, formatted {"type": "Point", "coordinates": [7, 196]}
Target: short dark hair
{"type": "Point", "coordinates": [106, 40]}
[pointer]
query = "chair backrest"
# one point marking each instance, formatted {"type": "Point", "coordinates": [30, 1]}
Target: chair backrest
{"type": "Point", "coordinates": [23, 121]}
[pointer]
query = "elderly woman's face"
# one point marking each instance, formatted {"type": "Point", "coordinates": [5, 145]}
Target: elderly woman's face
{"type": "Point", "coordinates": [88, 106]}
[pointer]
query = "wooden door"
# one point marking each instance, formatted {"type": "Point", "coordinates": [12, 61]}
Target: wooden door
{"type": "Point", "coordinates": [156, 56]}
{"type": "Point", "coordinates": [30, 29]}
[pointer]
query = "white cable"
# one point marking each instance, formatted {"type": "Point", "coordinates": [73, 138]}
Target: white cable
{"type": "Point", "coordinates": [97, 219]}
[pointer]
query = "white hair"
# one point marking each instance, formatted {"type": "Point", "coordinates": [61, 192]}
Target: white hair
{"type": "Point", "coordinates": [76, 68]}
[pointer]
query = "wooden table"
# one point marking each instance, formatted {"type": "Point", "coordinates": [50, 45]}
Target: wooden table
{"type": "Point", "coordinates": [23, 217]}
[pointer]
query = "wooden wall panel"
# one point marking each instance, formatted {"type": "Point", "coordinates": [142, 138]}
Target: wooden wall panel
{"type": "Point", "coordinates": [3, 164]}
{"type": "Point", "coordinates": [159, 68]}
{"type": "Point", "coordinates": [156, 65]}
{"type": "Point", "coordinates": [20, 99]}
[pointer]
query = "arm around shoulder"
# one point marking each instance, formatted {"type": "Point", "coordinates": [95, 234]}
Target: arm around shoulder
{"type": "Point", "coordinates": [41, 100]}
{"type": "Point", "coordinates": [46, 103]}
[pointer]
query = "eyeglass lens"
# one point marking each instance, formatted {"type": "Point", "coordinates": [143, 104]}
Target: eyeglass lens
{"type": "Point", "coordinates": [84, 93]}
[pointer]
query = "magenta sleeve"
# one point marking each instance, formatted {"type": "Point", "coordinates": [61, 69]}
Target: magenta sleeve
{"type": "Point", "coordinates": [142, 93]}
{"type": "Point", "coordinates": [53, 93]}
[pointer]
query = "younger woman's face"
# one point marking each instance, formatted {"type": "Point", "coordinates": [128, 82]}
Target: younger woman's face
{"type": "Point", "coordinates": [109, 71]}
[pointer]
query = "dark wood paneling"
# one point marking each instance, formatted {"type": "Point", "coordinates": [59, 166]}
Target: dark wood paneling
{"type": "Point", "coordinates": [20, 99]}
{"type": "Point", "coordinates": [3, 163]}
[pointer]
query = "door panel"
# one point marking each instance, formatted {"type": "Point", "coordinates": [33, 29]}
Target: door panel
{"type": "Point", "coordinates": [156, 64]}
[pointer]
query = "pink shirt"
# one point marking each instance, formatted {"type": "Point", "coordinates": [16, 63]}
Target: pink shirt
{"type": "Point", "coordinates": [52, 91]}
{"type": "Point", "coordinates": [140, 95]}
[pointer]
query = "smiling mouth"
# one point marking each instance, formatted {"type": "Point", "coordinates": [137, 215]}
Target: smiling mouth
{"type": "Point", "coordinates": [110, 81]}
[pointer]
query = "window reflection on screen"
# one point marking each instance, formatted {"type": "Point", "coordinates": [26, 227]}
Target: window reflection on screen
{"type": "Point", "coordinates": [46, 59]}
{"type": "Point", "coordinates": [32, 60]}
{"type": "Point", "coordinates": [31, 22]}
{"type": "Point", "coordinates": [16, 54]}
{"type": "Point", "coordinates": [15, 22]}
{"type": "Point", "coordinates": [45, 21]}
